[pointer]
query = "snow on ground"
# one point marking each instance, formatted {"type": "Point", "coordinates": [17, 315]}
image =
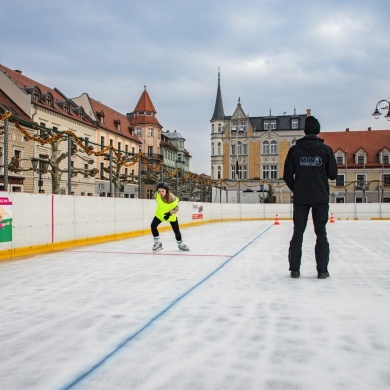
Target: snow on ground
{"type": "Point", "coordinates": [225, 315]}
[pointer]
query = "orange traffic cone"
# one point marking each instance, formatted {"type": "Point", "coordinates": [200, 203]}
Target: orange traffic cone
{"type": "Point", "coordinates": [331, 218]}
{"type": "Point", "coordinates": [277, 220]}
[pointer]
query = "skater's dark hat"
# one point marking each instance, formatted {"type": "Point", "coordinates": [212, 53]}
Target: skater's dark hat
{"type": "Point", "coordinates": [163, 185]}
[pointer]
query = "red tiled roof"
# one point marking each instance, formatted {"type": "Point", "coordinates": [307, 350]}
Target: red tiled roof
{"type": "Point", "coordinates": [25, 82]}
{"type": "Point", "coordinates": [144, 112]}
{"type": "Point", "coordinates": [110, 118]}
{"type": "Point", "coordinates": [8, 105]}
{"type": "Point", "coordinates": [371, 141]}
{"type": "Point", "coordinates": [145, 103]}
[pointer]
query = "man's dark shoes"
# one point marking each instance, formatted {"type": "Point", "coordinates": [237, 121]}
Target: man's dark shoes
{"type": "Point", "coordinates": [295, 274]}
{"type": "Point", "coordinates": [323, 275]}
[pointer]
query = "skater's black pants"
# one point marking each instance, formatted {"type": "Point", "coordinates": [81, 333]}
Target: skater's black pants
{"type": "Point", "coordinates": [320, 219]}
{"type": "Point", "coordinates": [174, 224]}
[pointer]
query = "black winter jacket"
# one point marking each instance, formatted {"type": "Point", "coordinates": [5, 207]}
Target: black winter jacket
{"type": "Point", "coordinates": [308, 167]}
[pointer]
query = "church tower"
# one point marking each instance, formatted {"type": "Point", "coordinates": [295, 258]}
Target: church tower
{"type": "Point", "coordinates": [218, 125]}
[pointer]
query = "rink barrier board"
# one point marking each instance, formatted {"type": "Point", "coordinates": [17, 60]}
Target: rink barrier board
{"type": "Point", "coordinates": [46, 222]}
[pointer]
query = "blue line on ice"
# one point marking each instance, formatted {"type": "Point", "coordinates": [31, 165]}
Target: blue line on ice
{"type": "Point", "coordinates": [151, 321]}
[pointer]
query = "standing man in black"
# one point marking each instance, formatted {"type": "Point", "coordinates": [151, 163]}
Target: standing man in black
{"type": "Point", "coordinates": [308, 167]}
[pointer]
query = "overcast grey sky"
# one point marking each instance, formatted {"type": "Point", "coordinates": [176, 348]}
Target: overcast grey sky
{"type": "Point", "coordinates": [331, 56]}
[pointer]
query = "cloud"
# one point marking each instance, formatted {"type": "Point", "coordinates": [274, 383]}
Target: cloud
{"type": "Point", "coordinates": [275, 55]}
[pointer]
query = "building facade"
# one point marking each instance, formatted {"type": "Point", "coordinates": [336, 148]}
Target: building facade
{"type": "Point", "coordinates": [248, 152]}
{"type": "Point", "coordinates": [363, 166]}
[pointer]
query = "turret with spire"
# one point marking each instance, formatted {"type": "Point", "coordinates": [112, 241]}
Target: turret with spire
{"type": "Point", "coordinates": [218, 110]}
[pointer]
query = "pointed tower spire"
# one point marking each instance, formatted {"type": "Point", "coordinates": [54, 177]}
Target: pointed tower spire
{"type": "Point", "coordinates": [218, 110]}
{"type": "Point", "coordinates": [145, 103]}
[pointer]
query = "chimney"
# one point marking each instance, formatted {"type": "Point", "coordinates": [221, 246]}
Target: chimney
{"type": "Point", "coordinates": [369, 129]}
{"type": "Point", "coordinates": [347, 129]}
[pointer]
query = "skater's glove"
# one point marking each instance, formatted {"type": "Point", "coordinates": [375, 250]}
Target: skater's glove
{"type": "Point", "coordinates": [167, 215]}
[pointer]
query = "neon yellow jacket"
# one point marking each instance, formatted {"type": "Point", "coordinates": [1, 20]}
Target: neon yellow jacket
{"type": "Point", "coordinates": [164, 207]}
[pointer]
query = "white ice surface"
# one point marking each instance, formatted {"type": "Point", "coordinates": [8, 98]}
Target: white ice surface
{"type": "Point", "coordinates": [225, 315]}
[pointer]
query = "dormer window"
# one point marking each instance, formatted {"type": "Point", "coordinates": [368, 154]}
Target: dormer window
{"type": "Point", "coordinates": [117, 123]}
{"type": "Point", "coordinates": [49, 99]}
{"type": "Point", "coordinates": [66, 107]}
{"type": "Point", "coordinates": [270, 124]}
{"type": "Point", "coordinates": [340, 157]}
{"type": "Point", "coordinates": [36, 95]}
{"type": "Point", "coordinates": [294, 123]}
{"type": "Point", "coordinates": [384, 156]}
{"type": "Point", "coordinates": [100, 116]}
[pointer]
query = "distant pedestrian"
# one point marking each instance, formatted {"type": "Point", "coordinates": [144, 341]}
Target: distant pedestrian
{"type": "Point", "coordinates": [167, 208]}
{"type": "Point", "coordinates": [308, 167]}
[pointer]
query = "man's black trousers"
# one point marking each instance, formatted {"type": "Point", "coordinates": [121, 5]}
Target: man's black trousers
{"type": "Point", "coordinates": [320, 218]}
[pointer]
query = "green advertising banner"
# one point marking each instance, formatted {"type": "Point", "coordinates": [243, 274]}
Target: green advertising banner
{"type": "Point", "coordinates": [5, 220]}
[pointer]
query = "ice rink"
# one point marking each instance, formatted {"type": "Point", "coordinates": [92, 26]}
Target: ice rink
{"type": "Point", "coordinates": [225, 315]}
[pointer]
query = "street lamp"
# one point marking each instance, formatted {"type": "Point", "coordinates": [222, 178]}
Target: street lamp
{"type": "Point", "coordinates": [386, 106]}
{"type": "Point", "coordinates": [40, 166]}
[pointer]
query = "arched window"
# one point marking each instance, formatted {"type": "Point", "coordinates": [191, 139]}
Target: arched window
{"type": "Point", "coordinates": [265, 147]}
{"type": "Point", "coordinates": [219, 148]}
{"type": "Point", "coordinates": [274, 147]}
{"type": "Point", "coordinates": [212, 148]}
{"type": "Point", "coordinates": [219, 127]}
{"type": "Point", "coordinates": [212, 128]}
{"type": "Point", "coordinates": [219, 172]}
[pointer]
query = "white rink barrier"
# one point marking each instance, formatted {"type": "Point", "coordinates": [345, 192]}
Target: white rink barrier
{"type": "Point", "coordinates": [45, 222]}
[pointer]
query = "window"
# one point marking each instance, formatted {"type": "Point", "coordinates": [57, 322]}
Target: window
{"type": "Point", "coordinates": [149, 194]}
{"type": "Point", "coordinates": [239, 148]}
{"type": "Point", "coordinates": [102, 171]}
{"type": "Point", "coordinates": [233, 171]}
{"type": "Point", "coordinates": [219, 148]}
{"type": "Point", "coordinates": [18, 156]}
{"type": "Point", "coordinates": [212, 148]}
{"type": "Point", "coordinates": [102, 141]}
{"type": "Point", "coordinates": [270, 125]}
{"type": "Point", "coordinates": [233, 150]}
{"type": "Point", "coordinates": [150, 150]}
{"type": "Point", "coordinates": [361, 159]}
{"type": "Point", "coordinates": [111, 142]}
{"type": "Point", "coordinates": [340, 181]}
{"type": "Point", "coordinates": [119, 146]}
{"type": "Point", "coordinates": [265, 147]}
{"type": "Point", "coordinates": [212, 128]}
{"type": "Point", "coordinates": [49, 100]}
{"type": "Point", "coordinates": [218, 172]}
{"type": "Point", "coordinates": [274, 171]}
{"type": "Point", "coordinates": [219, 127]}
{"type": "Point", "coordinates": [242, 127]}
{"type": "Point", "coordinates": [66, 108]}
{"type": "Point", "coordinates": [266, 172]}
{"type": "Point", "coordinates": [386, 179]}
{"type": "Point", "coordinates": [385, 159]}
{"type": "Point", "coordinates": [294, 123]}
{"type": "Point", "coordinates": [274, 147]}
{"type": "Point", "coordinates": [339, 160]}
{"type": "Point", "coordinates": [138, 131]}
{"type": "Point", "coordinates": [150, 132]}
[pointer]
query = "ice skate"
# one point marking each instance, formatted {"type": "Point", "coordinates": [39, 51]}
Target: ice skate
{"type": "Point", "coordinates": [182, 246]}
{"type": "Point", "coordinates": [157, 246]}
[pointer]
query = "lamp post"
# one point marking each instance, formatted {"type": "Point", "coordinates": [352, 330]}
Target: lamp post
{"type": "Point", "coordinates": [383, 105]}
{"type": "Point", "coordinates": [40, 166]}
